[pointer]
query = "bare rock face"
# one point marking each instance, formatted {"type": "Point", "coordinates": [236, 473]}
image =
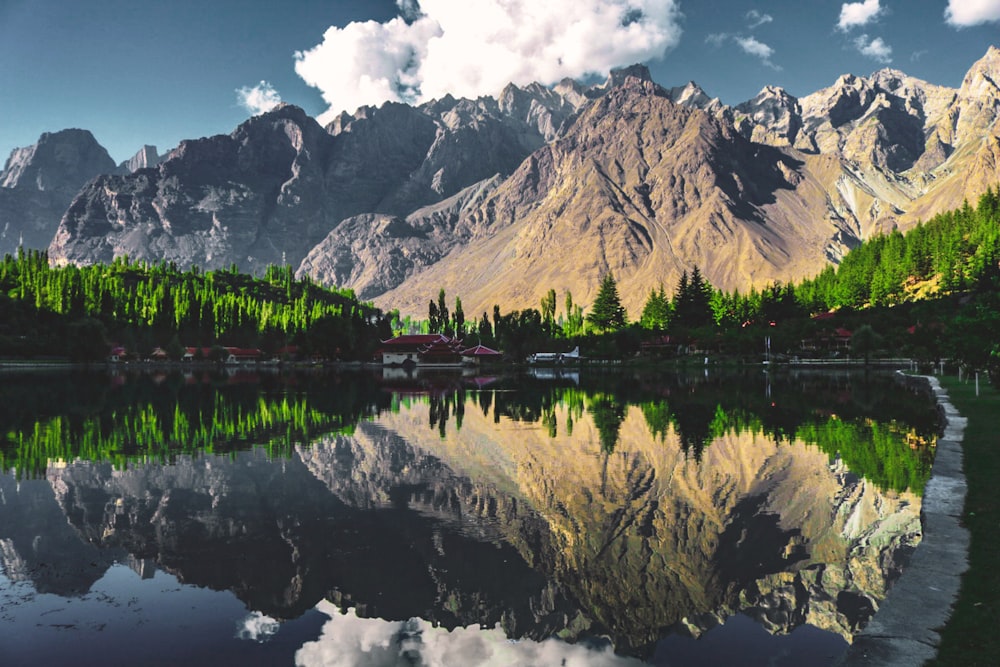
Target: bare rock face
{"type": "Point", "coordinates": [38, 182]}
{"type": "Point", "coordinates": [145, 158]}
{"type": "Point", "coordinates": [977, 107]}
{"type": "Point", "coordinates": [773, 117]}
{"type": "Point", "coordinates": [374, 253]}
{"type": "Point", "coordinates": [249, 197]}
{"type": "Point", "coordinates": [60, 162]}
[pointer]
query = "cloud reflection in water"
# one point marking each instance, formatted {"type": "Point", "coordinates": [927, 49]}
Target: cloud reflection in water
{"type": "Point", "coordinates": [348, 640]}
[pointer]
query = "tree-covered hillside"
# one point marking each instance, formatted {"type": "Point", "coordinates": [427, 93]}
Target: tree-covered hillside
{"type": "Point", "coordinates": [952, 252]}
{"type": "Point", "coordinates": [78, 311]}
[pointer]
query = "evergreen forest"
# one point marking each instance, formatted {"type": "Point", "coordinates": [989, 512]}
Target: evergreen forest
{"type": "Point", "coordinates": [79, 312]}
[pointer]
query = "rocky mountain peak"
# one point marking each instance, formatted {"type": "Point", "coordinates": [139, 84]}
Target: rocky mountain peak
{"type": "Point", "coordinates": [145, 158]}
{"type": "Point", "coordinates": [692, 95]}
{"type": "Point", "coordinates": [983, 78]}
{"type": "Point", "coordinates": [60, 161]}
{"type": "Point", "coordinates": [889, 78]}
{"type": "Point", "coordinates": [571, 91]}
{"type": "Point", "coordinates": [773, 117]}
{"type": "Point", "coordinates": [771, 97]}
{"type": "Point", "coordinates": [39, 181]}
{"type": "Point", "coordinates": [619, 76]}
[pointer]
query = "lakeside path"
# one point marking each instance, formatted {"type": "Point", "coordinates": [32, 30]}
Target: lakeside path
{"type": "Point", "coordinates": [972, 636]}
{"type": "Point", "coordinates": [905, 632]}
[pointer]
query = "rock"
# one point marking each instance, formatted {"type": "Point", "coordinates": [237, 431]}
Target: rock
{"type": "Point", "coordinates": [38, 182]}
{"type": "Point", "coordinates": [146, 157]}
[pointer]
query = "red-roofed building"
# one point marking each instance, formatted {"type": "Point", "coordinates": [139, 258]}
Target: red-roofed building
{"type": "Point", "coordinates": [420, 349]}
{"type": "Point", "coordinates": [838, 339]}
{"type": "Point", "coordinates": [479, 354]}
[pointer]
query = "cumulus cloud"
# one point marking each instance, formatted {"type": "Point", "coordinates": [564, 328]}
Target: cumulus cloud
{"type": "Point", "coordinates": [476, 47]}
{"type": "Point", "coordinates": [755, 19]}
{"type": "Point", "coordinates": [876, 49]}
{"type": "Point", "coordinates": [962, 13]}
{"type": "Point", "coordinates": [347, 640]}
{"type": "Point", "coordinates": [858, 13]}
{"type": "Point", "coordinates": [258, 99]}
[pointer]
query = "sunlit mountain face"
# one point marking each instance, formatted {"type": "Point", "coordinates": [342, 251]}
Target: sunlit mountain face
{"type": "Point", "coordinates": [605, 518]}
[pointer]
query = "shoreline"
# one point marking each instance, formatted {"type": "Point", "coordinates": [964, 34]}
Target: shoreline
{"type": "Point", "coordinates": [906, 629]}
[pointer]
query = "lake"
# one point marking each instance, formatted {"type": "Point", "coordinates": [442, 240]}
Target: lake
{"type": "Point", "coordinates": [598, 518]}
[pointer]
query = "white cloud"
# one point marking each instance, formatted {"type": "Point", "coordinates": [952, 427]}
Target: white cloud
{"type": "Point", "coordinates": [962, 13]}
{"type": "Point", "coordinates": [258, 99]}
{"type": "Point", "coordinates": [757, 48]}
{"type": "Point", "coordinates": [755, 19]}
{"type": "Point", "coordinates": [257, 627]}
{"type": "Point", "coordinates": [476, 47]}
{"type": "Point", "coordinates": [348, 640]}
{"type": "Point", "coordinates": [876, 49]}
{"type": "Point", "coordinates": [749, 45]}
{"type": "Point", "coordinates": [858, 13]}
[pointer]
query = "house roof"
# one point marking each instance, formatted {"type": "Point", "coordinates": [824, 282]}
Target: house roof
{"type": "Point", "coordinates": [480, 351]}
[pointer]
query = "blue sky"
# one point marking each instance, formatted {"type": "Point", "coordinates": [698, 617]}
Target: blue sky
{"type": "Point", "coordinates": [136, 71]}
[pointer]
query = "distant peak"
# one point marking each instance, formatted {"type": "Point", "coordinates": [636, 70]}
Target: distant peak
{"type": "Point", "coordinates": [889, 73]}
{"type": "Point", "coordinates": [990, 60]}
{"type": "Point", "coordinates": [773, 91]}
{"type": "Point", "coordinates": [618, 76]}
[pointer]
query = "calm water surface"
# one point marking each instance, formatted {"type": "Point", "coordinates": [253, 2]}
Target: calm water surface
{"type": "Point", "coordinates": [557, 518]}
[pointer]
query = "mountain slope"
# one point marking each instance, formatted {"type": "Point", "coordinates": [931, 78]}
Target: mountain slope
{"type": "Point", "coordinates": [646, 189]}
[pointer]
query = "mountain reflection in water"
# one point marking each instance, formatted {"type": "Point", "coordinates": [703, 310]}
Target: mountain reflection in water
{"type": "Point", "coordinates": [624, 507]}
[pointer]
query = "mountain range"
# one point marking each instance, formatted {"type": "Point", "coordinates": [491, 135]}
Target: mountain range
{"type": "Point", "coordinates": [498, 200]}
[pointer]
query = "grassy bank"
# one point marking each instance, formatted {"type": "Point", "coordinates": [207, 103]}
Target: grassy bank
{"type": "Point", "coordinates": [972, 636]}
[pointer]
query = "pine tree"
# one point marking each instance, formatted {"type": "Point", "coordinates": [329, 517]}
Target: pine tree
{"type": "Point", "coordinates": [693, 301]}
{"type": "Point", "coordinates": [459, 318]}
{"type": "Point", "coordinates": [656, 311]}
{"type": "Point", "coordinates": [607, 313]}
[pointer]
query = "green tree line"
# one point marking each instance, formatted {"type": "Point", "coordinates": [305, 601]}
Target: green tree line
{"type": "Point", "coordinates": [77, 311]}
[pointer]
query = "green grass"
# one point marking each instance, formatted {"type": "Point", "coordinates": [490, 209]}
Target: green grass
{"type": "Point", "coordinates": [972, 636]}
